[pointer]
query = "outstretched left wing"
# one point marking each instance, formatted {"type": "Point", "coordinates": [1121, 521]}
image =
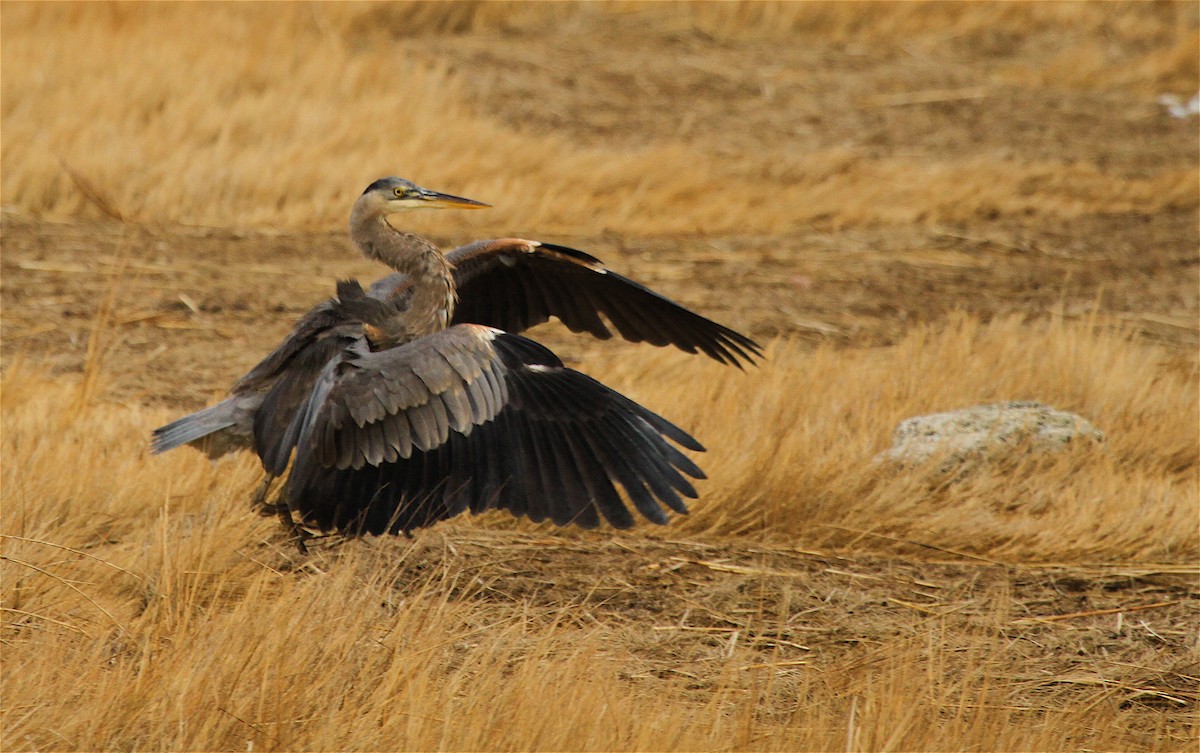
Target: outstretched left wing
{"type": "Point", "coordinates": [474, 418]}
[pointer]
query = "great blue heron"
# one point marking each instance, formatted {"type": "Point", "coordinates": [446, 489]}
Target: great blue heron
{"type": "Point", "coordinates": [414, 400]}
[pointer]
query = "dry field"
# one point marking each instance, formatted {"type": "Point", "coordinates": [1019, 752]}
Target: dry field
{"type": "Point", "coordinates": [915, 207]}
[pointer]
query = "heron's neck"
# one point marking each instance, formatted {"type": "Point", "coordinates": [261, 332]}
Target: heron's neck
{"type": "Point", "coordinates": [432, 303]}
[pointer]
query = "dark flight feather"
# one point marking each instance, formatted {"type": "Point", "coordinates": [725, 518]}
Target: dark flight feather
{"type": "Point", "coordinates": [554, 444]}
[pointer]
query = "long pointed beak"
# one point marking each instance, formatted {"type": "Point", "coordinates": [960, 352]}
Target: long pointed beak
{"type": "Point", "coordinates": [448, 201]}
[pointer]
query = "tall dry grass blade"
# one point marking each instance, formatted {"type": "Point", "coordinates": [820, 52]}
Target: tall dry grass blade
{"type": "Point", "coordinates": [89, 189]}
{"type": "Point", "coordinates": [73, 550]}
{"type": "Point", "coordinates": [68, 584]}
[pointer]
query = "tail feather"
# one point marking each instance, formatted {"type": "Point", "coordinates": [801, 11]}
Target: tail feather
{"type": "Point", "coordinates": [196, 426]}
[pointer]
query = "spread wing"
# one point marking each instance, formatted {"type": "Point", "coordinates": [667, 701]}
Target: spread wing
{"type": "Point", "coordinates": [474, 418]}
{"type": "Point", "coordinates": [287, 375]}
{"type": "Point", "coordinates": [514, 284]}
{"type": "Point", "coordinates": [317, 324]}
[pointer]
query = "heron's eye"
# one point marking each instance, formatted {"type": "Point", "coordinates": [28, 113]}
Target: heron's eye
{"type": "Point", "coordinates": [399, 191]}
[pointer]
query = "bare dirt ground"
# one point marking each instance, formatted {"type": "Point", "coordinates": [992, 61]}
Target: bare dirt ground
{"type": "Point", "coordinates": [860, 287]}
{"type": "Point", "coordinates": [195, 307]}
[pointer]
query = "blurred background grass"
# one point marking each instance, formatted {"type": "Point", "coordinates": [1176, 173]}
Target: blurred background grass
{"type": "Point", "coordinates": [276, 116]}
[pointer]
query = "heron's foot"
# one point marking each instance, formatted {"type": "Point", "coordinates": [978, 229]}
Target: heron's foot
{"type": "Point", "coordinates": [274, 508]}
{"type": "Point", "coordinates": [295, 530]}
{"type": "Point", "coordinates": [301, 537]}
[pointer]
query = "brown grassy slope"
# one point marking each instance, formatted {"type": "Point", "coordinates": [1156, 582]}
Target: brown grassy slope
{"type": "Point", "coordinates": [254, 116]}
{"type": "Point", "coordinates": [141, 592]}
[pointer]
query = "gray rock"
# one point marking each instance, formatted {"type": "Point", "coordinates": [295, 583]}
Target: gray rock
{"type": "Point", "coordinates": [966, 437]}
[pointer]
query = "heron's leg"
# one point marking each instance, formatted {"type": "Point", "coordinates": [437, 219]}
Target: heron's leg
{"type": "Point", "coordinates": [280, 507]}
{"type": "Point", "coordinates": [259, 502]}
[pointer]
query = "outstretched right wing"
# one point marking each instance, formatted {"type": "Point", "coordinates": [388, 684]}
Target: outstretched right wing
{"type": "Point", "coordinates": [514, 284]}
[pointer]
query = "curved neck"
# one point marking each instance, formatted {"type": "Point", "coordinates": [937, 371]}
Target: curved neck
{"type": "Point", "coordinates": [432, 303]}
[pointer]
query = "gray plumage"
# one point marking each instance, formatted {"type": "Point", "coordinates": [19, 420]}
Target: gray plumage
{"type": "Point", "coordinates": [216, 430]}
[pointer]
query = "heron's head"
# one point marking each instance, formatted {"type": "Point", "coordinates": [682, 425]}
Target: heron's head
{"type": "Point", "coordinates": [389, 195]}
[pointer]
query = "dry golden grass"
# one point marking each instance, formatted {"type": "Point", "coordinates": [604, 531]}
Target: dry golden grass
{"type": "Point", "coordinates": [146, 606]}
{"type": "Point", "coordinates": [793, 443]}
{"type": "Point", "coordinates": [813, 600]}
{"type": "Point", "coordinates": [791, 447]}
{"type": "Point", "coordinates": [245, 658]}
{"type": "Point", "coordinates": [277, 116]}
